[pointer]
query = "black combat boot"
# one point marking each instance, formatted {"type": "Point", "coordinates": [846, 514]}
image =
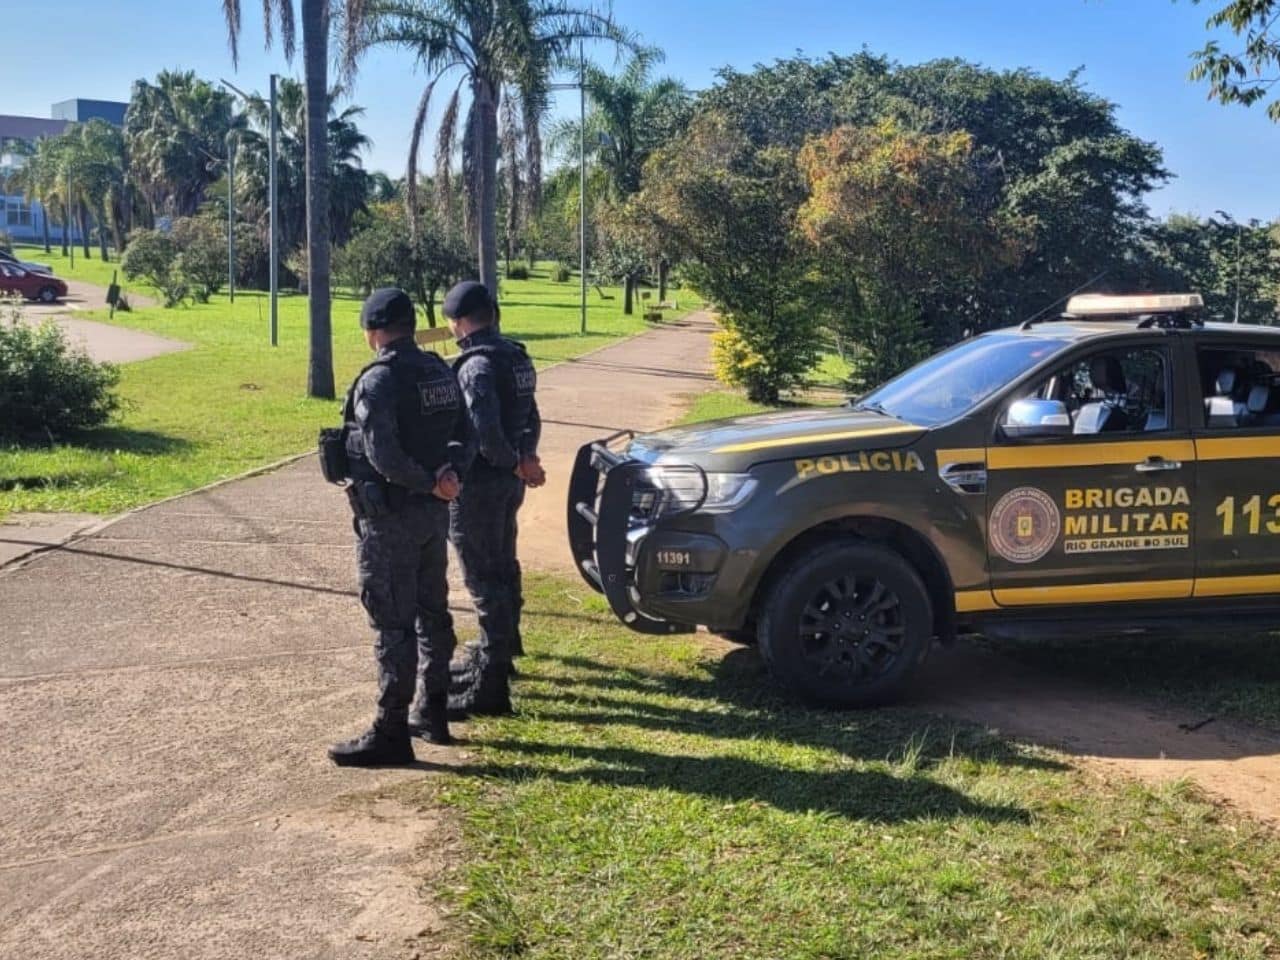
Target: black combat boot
{"type": "Point", "coordinates": [437, 727]}
{"type": "Point", "coordinates": [382, 745]}
{"type": "Point", "coordinates": [430, 718]}
{"type": "Point", "coordinates": [489, 696]}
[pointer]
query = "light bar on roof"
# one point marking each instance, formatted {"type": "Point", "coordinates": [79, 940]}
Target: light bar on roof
{"type": "Point", "coordinates": [1106, 305]}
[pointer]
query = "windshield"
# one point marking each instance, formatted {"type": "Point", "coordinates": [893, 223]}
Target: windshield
{"type": "Point", "coordinates": [954, 382]}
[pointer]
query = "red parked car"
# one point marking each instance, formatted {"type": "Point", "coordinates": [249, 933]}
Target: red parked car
{"type": "Point", "coordinates": [15, 279]}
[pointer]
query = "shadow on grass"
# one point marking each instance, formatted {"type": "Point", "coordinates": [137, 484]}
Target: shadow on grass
{"type": "Point", "coordinates": [729, 708]}
{"type": "Point", "coordinates": [105, 439]}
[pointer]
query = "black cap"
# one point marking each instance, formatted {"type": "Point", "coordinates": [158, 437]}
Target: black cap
{"type": "Point", "coordinates": [465, 298]}
{"type": "Point", "coordinates": [387, 306]}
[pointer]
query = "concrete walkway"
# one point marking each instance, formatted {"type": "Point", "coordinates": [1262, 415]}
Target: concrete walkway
{"type": "Point", "coordinates": [169, 685]}
{"type": "Point", "coordinates": [103, 342]}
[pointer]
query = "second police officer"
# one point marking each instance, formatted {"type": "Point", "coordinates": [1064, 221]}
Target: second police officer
{"type": "Point", "coordinates": [408, 443]}
{"type": "Point", "coordinates": [498, 382]}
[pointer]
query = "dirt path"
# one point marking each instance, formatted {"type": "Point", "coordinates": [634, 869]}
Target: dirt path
{"type": "Point", "coordinates": [169, 685]}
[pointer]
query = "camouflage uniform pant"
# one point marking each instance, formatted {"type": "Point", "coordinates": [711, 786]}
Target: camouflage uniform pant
{"type": "Point", "coordinates": [482, 526]}
{"type": "Point", "coordinates": [404, 588]}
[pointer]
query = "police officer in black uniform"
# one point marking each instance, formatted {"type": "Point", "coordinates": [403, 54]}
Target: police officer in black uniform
{"type": "Point", "coordinates": [408, 443]}
{"type": "Point", "coordinates": [498, 383]}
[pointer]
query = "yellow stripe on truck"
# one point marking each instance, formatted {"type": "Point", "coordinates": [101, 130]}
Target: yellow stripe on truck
{"type": "Point", "coordinates": [1093, 593]}
{"type": "Point", "coordinates": [971, 601]}
{"type": "Point", "coordinates": [793, 440]}
{"type": "Point", "coordinates": [1237, 448]}
{"type": "Point", "coordinates": [1087, 454]}
{"type": "Point", "coordinates": [1237, 586]}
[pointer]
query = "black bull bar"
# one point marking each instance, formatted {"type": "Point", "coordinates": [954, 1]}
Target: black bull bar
{"type": "Point", "coordinates": [602, 491]}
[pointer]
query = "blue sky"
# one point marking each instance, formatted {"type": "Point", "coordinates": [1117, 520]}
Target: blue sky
{"type": "Point", "coordinates": [1134, 52]}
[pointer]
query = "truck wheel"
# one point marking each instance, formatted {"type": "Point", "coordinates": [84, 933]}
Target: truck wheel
{"type": "Point", "coordinates": [847, 625]}
{"type": "Point", "coordinates": [47, 295]}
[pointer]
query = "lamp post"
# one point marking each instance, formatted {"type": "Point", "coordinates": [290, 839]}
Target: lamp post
{"type": "Point", "coordinates": [581, 87]}
{"type": "Point", "coordinates": [273, 255]}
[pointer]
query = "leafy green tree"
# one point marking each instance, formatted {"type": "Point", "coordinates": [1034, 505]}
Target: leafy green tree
{"type": "Point", "coordinates": [201, 262]}
{"type": "Point", "coordinates": [382, 253]}
{"type": "Point", "coordinates": [730, 208]}
{"type": "Point", "coordinates": [152, 255]}
{"type": "Point", "coordinates": [908, 223]}
{"type": "Point", "coordinates": [507, 48]}
{"type": "Point", "coordinates": [1247, 75]}
{"type": "Point", "coordinates": [1222, 260]}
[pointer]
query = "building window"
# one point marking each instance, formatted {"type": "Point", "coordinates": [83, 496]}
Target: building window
{"type": "Point", "coordinates": [17, 213]}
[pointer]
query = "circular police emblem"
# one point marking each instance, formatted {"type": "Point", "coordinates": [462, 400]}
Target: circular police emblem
{"type": "Point", "coordinates": [1024, 525]}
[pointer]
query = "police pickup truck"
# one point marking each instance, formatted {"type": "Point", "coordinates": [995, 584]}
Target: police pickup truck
{"type": "Point", "coordinates": [1111, 470]}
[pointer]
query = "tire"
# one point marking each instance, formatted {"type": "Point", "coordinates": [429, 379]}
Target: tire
{"type": "Point", "coordinates": [47, 295]}
{"type": "Point", "coordinates": [878, 622]}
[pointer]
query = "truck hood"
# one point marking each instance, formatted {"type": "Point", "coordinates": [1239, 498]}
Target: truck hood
{"type": "Point", "coordinates": [737, 443]}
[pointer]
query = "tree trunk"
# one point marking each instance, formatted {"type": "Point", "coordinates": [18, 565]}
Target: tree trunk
{"type": "Point", "coordinates": [44, 223]}
{"type": "Point", "coordinates": [66, 229]}
{"type": "Point", "coordinates": [663, 267]}
{"type": "Point", "coordinates": [84, 228]}
{"type": "Point", "coordinates": [102, 230]}
{"type": "Point", "coordinates": [487, 161]}
{"type": "Point", "coordinates": [315, 51]}
{"type": "Point", "coordinates": [628, 285]}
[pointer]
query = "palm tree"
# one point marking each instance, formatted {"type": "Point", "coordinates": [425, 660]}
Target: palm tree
{"type": "Point", "coordinates": [348, 180]}
{"type": "Point", "coordinates": [316, 22]}
{"type": "Point", "coordinates": [631, 116]}
{"type": "Point", "coordinates": [173, 129]}
{"type": "Point", "coordinates": [100, 163]}
{"type": "Point", "coordinates": [498, 47]}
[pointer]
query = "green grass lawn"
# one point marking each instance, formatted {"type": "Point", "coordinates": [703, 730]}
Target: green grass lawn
{"type": "Point", "coordinates": [90, 270]}
{"type": "Point", "coordinates": [654, 798]}
{"type": "Point", "coordinates": [233, 402]}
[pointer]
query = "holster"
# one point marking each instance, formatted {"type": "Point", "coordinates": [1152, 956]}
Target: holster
{"type": "Point", "coordinates": [369, 499]}
{"type": "Point", "coordinates": [333, 454]}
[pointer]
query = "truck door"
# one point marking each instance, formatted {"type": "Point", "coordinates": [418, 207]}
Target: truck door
{"type": "Point", "coordinates": [1237, 446]}
{"type": "Point", "coordinates": [1099, 506]}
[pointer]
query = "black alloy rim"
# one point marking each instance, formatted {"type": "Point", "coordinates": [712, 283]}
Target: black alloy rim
{"type": "Point", "coordinates": [853, 628]}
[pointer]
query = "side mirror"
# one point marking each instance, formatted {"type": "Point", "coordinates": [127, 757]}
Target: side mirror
{"type": "Point", "coordinates": [1036, 418]}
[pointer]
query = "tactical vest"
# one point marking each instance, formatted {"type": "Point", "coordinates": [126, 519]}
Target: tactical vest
{"type": "Point", "coordinates": [517, 381]}
{"type": "Point", "coordinates": [428, 405]}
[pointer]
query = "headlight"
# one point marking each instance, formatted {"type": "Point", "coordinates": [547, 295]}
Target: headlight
{"type": "Point", "coordinates": [674, 489]}
{"type": "Point", "coordinates": [728, 491]}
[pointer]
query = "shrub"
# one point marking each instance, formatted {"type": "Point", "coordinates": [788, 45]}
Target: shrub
{"type": "Point", "coordinates": [46, 389]}
{"type": "Point", "coordinates": [764, 373]}
{"type": "Point", "coordinates": [202, 257]}
{"type": "Point", "coordinates": [561, 273]}
{"type": "Point", "coordinates": [153, 256]}
{"type": "Point", "coordinates": [517, 272]}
